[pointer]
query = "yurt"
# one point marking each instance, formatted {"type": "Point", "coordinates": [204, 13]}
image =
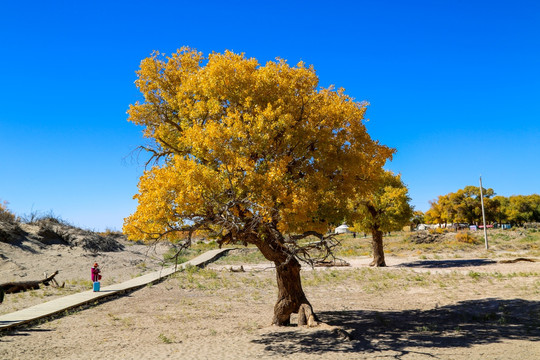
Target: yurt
{"type": "Point", "coordinates": [342, 229]}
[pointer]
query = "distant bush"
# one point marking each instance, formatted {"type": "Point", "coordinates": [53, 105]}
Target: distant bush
{"type": "Point", "coordinates": [47, 220]}
{"type": "Point", "coordinates": [111, 233]}
{"type": "Point", "coordinates": [438, 231]}
{"type": "Point", "coordinates": [424, 237]}
{"type": "Point", "coordinates": [467, 238]}
{"type": "Point", "coordinates": [5, 214]}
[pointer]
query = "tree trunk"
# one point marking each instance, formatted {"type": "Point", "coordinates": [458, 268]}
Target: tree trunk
{"type": "Point", "coordinates": [15, 287]}
{"type": "Point", "coordinates": [291, 297]}
{"type": "Point", "coordinates": [378, 252]}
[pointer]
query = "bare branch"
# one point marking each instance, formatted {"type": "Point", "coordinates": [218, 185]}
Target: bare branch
{"type": "Point", "coordinates": [175, 150]}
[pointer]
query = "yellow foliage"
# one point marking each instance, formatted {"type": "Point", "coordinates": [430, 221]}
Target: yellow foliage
{"type": "Point", "coordinates": [466, 237]}
{"type": "Point", "coordinates": [5, 214]}
{"type": "Point", "coordinates": [384, 208]}
{"type": "Point", "coordinates": [228, 129]}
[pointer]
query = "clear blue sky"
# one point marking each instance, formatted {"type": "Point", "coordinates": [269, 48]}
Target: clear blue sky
{"type": "Point", "coordinates": [453, 85]}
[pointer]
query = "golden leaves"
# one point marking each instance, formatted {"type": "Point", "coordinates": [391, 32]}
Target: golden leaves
{"type": "Point", "coordinates": [235, 129]}
{"type": "Point", "coordinates": [386, 207]}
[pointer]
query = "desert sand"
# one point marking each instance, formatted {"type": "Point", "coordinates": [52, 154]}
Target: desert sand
{"type": "Point", "coordinates": [444, 308]}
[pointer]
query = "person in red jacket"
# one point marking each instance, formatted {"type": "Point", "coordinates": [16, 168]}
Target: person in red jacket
{"type": "Point", "coordinates": [96, 273]}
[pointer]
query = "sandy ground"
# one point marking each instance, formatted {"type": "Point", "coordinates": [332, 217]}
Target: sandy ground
{"type": "Point", "coordinates": [414, 309]}
{"type": "Point", "coordinates": [31, 261]}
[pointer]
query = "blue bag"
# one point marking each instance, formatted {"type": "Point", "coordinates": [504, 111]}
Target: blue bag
{"type": "Point", "coordinates": [96, 286]}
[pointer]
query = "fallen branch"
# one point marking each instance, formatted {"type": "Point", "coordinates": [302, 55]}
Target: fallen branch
{"type": "Point", "coordinates": [237, 269]}
{"type": "Point", "coordinates": [336, 262]}
{"type": "Point", "coordinates": [55, 283]}
{"type": "Point", "coordinates": [516, 260]}
{"type": "Point", "coordinates": [21, 286]}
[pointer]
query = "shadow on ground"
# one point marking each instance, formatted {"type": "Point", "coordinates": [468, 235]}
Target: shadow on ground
{"type": "Point", "coordinates": [19, 332]}
{"type": "Point", "coordinates": [442, 264]}
{"type": "Point", "coordinates": [398, 333]}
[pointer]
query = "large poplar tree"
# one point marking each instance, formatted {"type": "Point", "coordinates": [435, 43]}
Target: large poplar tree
{"type": "Point", "coordinates": [251, 154]}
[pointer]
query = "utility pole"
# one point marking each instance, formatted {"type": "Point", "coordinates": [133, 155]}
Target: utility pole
{"type": "Point", "coordinates": [483, 214]}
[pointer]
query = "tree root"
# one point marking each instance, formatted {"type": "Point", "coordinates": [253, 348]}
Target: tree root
{"type": "Point", "coordinates": [337, 331]}
{"type": "Point", "coordinates": [336, 262]}
{"type": "Point", "coordinates": [306, 317]}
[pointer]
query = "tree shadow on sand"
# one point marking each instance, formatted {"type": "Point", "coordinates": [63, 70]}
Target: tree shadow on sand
{"type": "Point", "coordinates": [8, 335]}
{"type": "Point", "coordinates": [464, 324]}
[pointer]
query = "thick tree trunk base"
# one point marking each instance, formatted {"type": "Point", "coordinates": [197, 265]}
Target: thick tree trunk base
{"type": "Point", "coordinates": [378, 250]}
{"type": "Point", "coordinates": [293, 303]}
{"type": "Point", "coordinates": [306, 317]}
{"type": "Point", "coordinates": [291, 297]}
{"type": "Point", "coordinates": [377, 263]}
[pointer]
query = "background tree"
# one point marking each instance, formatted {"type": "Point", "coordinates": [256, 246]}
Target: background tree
{"type": "Point", "coordinates": [500, 206]}
{"type": "Point", "coordinates": [418, 218]}
{"type": "Point", "coordinates": [520, 209]}
{"type": "Point", "coordinates": [250, 154]}
{"type": "Point", "coordinates": [436, 213]}
{"type": "Point", "coordinates": [535, 205]}
{"type": "Point", "coordinates": [463, 206]}
{"type": "Point", "coordinates": [382, 210]}
{"type": "Point", "coordinates": [467, 204]}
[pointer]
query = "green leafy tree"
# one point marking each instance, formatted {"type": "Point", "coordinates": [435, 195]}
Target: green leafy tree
{"type": "Point", "coordinates": [418, 218]}
{"type": "Point", "coordinates": [385, 209]}
{"type": "Point", "coordinates": [467, 204]}
{"type": "Point", "coordinates": [535, 205]}
{"type": "Point", "coordinates": [522, 208]}
{"type": "Point", "coordinates": [501, 206]}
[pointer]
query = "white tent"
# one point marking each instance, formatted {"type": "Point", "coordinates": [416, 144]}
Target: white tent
{"type": "Point", "coordinates": [342, 229]}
